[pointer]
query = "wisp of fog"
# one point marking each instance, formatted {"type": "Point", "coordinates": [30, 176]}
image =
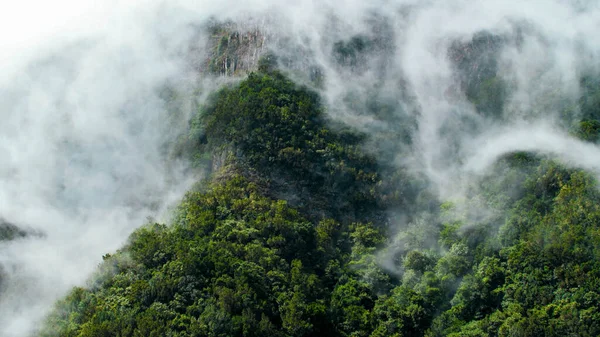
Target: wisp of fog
{"type": "Point", "coordinates": [85, 121]}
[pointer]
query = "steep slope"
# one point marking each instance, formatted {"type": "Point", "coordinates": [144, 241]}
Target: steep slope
{"type": "Point", "coordinates": [237, 255]}
{"type": "Point", "coordinates": [288, 235]}
{"type": "Point", "coordinates": [374, 210]}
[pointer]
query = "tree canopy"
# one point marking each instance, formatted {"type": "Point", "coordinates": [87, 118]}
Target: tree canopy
{"type": "Point", "coordinates": [286, 238]}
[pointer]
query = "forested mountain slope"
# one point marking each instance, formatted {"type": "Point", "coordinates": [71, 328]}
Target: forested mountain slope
{"type": "Point", "coordinates": [287, 235]}
{"type": "Point", "coordinates": [300, 168]}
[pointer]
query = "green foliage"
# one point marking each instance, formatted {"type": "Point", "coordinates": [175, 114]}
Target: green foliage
{"type": "Point", "coordinates": [589, 130]}
{"type": "Point", "coordinates": [543, 279]}
{"type": "Point", "coordinates": [232, 264]}
{"type": "Point", "coordinates": [404, 313]}
{"type": "Point", "coordinates": [237, 260]}
{"type": "Point", "coordinates": [418, 261]}
{"type": "Point", "coordinates": [271, 122]}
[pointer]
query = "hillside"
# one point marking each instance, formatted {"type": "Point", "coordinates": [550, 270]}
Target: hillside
{"type": "Point", "coordinates": [290, 234]}
{"type": "Point", "coordinates": [299, 169]}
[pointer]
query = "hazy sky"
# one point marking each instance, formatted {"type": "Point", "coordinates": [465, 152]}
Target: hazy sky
{"type": "Point", "coordinates": [29, 24]}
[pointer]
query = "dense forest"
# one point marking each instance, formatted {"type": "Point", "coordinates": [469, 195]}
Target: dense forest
{"type": "Point", "coordinates": [292, 230]}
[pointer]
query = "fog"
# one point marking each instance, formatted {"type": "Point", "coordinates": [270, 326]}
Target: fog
{"type": "Point", "coordinates": [85, 123]}
{"type": "Point", "coordinates": [83, 131]}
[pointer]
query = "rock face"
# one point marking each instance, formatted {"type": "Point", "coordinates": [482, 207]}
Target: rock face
{"type": "Point", "coordinates": [233, 49]}
{"type": "Point", "coordinates": [476, 62]}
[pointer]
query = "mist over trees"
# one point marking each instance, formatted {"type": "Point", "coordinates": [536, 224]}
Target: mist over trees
{"type": "Point", "coordinates": [386, 168]}
{"type": "Point", "coordinates": [287, 235]}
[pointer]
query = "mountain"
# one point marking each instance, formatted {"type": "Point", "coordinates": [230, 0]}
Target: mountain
{"type": "Point", "coordinates": [289, 234]}
{"type": "Point", "coordinates": [259, 168]}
